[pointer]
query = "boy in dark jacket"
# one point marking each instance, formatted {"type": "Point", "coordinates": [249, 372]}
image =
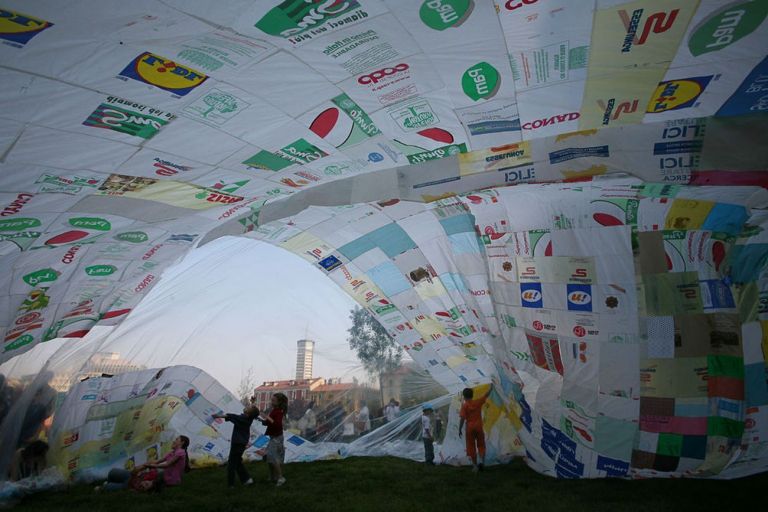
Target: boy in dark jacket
{"type": "Point", "coordinates": [241, 434]}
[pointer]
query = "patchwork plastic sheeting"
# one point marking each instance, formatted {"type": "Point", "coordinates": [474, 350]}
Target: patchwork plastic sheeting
{"type": "Point", "coordinates": [623, 317]}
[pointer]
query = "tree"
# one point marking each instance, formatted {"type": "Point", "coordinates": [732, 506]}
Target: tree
{"type": "Point", "coordinates": [374, 347]}
{"type": "Point", "coordinates": [247, 387]}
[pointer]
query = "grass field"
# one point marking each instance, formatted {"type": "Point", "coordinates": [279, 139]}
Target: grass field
{"type": "Point", "coordinates": [388, 484]}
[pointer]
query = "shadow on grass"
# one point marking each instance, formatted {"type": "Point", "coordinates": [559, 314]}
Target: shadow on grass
{"type": "Point", "coordinates": [388, 484]}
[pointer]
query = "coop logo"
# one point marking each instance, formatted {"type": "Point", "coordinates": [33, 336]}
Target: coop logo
{"type": "Point", "coordinates": [443, 14]}
{"type": "Point", "coordinates": [727, 26]}
{"type": "Point", "coordinates": [531, 295]}
{"type": "Point", "coordinates": [511, 5]}
{"type": "Point", "coordinates": [17, 204]}
{"type": "Point", "coordinates": [376, 76]}
{"type": "Point", "coordinates": [657, 23]}
{"type": "Point", "coordinates": [17, 29]}
{"type": "Point", "coordinates": [611, 112]}
{"type": "Point", "coordinates": [163, 73]}
{"type": "Point", "coordinates": [293, 17]}
{"type": "Point", "coordinates": [677, 94]}
{"type": "Point", "coordinates": [481, 81]}
{"type": "Point", "coordinates": [69, 257]}
{"type": "Point", "coordinates": [547, 121]}
{"type": "Point", "coordinates": [579, 297]}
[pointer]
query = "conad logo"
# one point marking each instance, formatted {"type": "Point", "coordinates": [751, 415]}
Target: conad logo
{"type": "Point", "coordinates": [378, 75]}
{"type": "Point", "coordinates": [559, 118]}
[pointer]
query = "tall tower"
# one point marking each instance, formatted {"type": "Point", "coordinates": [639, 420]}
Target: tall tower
{"type": "Point", "coordinates": [304, 359]}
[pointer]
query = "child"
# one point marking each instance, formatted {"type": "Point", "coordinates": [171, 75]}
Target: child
{"type": "Point", "coordinates": [471, 412]}
{"type": "Point", "coordinates": [276, 448]}
{"type": "Point", "coordinates": [427, 434]}
{"type": "Point", "coordinates": [241, 435]}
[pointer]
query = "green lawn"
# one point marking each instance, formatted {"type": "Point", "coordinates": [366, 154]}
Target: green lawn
{"type": "Point", "coordinates": [388, 484]}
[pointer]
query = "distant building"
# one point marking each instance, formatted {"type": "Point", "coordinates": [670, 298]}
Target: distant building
{"type": "Point", "coordinates": [317, 390]}
{"type": "Point", "coordinates": [304, 358]}
{"type": "Point", "coordinates": [100, 363]}
{"type": "Point", "coordinates": [297, 389]}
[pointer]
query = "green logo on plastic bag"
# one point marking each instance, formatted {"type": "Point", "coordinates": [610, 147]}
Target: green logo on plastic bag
{"type": "Point", "coordinates": [727, 26]}
{"type": "Point", "coordinates": [40, 276]}
{"type": "Point", "coordinates": [436, 154]}
{"type": "Point", "coordinates": [293, 17]}
{"type": "Point", "coordinates": [100, 270]}
{"type": "Point", "coordinates": [481, 81]}
{"type": "Point", "coordinates": [18, 224]}
{"type": "Point", "coordinates": [134, 237]}
{"type": "Point", "coordinates": [90, 223]}
{"type": "Point", "coordinates": [23, 340]}
{"type": "Point", "coordinates": [443, 14]}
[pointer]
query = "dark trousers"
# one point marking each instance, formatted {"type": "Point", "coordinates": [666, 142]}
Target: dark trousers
{"type": "Point", "coordinates": [235, 464]}
{"type": "Point", "coordinates": [429, 450]}
{"type": "Point", "coordinates": [117, 479]}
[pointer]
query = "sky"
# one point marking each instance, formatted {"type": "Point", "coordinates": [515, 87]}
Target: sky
{"type": "Point", "coordinates": [237, 304]}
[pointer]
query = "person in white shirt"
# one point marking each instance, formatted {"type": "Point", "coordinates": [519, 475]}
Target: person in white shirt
{"type": "Point", "coordinates": [392, 411]}
{"type": "Point", "coordinates": [364, 420]}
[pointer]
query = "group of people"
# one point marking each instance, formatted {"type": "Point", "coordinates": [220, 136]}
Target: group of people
{"type": "Point", "coordinates": [241, 434]}
{"type": "Point", "coordinates": [471, 415]}
{"type": "Point", "coordinates": [153, 476]}
{"type": "Point", "coordinates": [169, 470]}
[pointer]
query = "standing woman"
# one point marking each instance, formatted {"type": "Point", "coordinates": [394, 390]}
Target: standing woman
{"type": "Point", "coordinates": [276, 448]}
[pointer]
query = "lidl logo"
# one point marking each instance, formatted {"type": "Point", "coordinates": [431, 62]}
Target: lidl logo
{"type": "Point", "coordinates": [443, 14]}
{"type": "Point", "coordinates": [17, 29]}
{"type": "Point", "coordinates": [531, 295]}
{"type": "Point", "coordinates": [579, 297]}
{"type": "Point", "coordinates": [163, 73]}
{"type": "Point", "coordinates": [481, 81]}
{"type": "Point", "coordinates": [677, 94]}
